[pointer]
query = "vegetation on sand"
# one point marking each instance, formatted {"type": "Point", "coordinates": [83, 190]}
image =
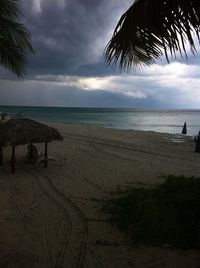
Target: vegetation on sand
{"type": "Point", "coordinates": [168, 214]}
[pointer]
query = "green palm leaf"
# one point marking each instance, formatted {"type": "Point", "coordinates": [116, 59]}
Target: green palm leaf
{"type": "Point", "coordinates": [152, 28]}
{"type": "Point", "coordinates": [15, 40]}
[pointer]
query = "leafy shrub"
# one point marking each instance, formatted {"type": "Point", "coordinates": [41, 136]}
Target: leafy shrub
{"type": "Point", "coordinates": [167, 214]}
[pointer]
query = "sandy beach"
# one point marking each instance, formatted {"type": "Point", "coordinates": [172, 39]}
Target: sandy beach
{"type": "Point", "coordinates": [52, 217]}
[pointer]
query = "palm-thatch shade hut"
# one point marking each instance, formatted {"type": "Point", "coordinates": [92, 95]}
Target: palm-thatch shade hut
{"type": "Point", "coordinates": [20, 131]}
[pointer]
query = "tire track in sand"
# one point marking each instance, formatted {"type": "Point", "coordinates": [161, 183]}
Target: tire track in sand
{"type": "Point", "coordinates": [76, 243]}
{"type": "Point", "coordinates": [57, 228]}
{"type": "Point", "coordinates": [56, 251]}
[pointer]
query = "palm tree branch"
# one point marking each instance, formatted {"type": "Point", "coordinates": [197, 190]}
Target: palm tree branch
{"type": "Point", "coordinates": [151, 28]}
{"type": "Point", "coordinates": [16, 32]}
{"type": "Point", "coordinates": [10, 8]}
{"type": "Point", "coordinates": [15, 40]}
{"type": "Point", "coordinates": [12, 57]}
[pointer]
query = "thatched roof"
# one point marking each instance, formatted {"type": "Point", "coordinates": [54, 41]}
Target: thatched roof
{"type": "Point", "coordinates": [20, 130]}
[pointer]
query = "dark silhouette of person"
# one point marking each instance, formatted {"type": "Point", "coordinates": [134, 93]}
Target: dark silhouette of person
{"type": "Point", "coordinates": [184, 130]}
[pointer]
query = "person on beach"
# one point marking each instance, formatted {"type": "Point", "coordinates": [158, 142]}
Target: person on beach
{"type": "Point", "coordinates": [197, 143]}
{"type": "Point", "coordinates": [184, 130]}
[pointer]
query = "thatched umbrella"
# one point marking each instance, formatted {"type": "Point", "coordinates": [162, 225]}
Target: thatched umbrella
{"type": "Point", "coordinates": [21, 130]}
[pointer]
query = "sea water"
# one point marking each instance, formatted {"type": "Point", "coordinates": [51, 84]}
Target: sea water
{"type": "Point", "coordinates": [167, 121]}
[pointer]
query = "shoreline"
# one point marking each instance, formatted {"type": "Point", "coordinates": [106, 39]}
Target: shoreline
{"type": "Point", "coordinates": [51, 123]}
{"type": "Point", "coordinates": [165, 121]}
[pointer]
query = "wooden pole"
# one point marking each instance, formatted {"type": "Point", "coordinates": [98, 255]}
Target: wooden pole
{"type": "Point", "coordinates": [45, 155]}
{"type": "Point", "coordinates": [1, 155]}
{"type": "Point", "coordinates": [13, 160]}
{"type": "Point", "coordinates": [31, 151]}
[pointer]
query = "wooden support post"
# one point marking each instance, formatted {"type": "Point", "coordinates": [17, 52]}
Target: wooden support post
{"type": "Point", "coordinates": [1, 155]}
{"type": "Point", "coordinates": [45, 156]}
{"type": "Point", "coordinates": [31, 151]}
{"type": "Point", "coordinates": [13, 160]}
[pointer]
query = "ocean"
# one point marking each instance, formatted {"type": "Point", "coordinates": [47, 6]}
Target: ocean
{"type": "Point", "coordinates": [167, 121]}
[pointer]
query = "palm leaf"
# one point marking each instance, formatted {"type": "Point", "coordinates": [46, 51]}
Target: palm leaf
{"type": "Point", "coordinates": [10, 8]}
{"type": "Point", "coordinates": [152, 28]}
{"type": "Point", "coordinates": [12, 57]}
{"type": "Point", "coordinates": [15, 40]}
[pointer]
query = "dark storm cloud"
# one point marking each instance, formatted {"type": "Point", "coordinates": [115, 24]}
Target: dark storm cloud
{"type": "Point", "coordinates": [69, 35]}
{"type": "Point", "coordinates": [68, 69]}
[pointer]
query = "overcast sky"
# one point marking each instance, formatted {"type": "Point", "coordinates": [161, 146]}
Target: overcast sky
{"type": "Point", "coordinates": [68, 69]}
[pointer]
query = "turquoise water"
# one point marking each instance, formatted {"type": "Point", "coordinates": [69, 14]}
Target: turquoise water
{"type": "Point", "coordinates": [168, 121]}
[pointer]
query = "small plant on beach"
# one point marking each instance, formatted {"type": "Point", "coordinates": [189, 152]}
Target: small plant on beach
{"type": "Point", "coordinates": [167, 214]}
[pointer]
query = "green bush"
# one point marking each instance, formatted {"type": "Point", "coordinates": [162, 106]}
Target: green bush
{"type": "Point", "coordinates": [167, 214]}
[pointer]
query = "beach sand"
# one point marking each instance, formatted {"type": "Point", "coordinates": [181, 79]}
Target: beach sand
{"type": "Point", "coordinates": [52, 217]}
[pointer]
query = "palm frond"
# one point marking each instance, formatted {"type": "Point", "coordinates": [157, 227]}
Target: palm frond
{"type": "Point", "coordinates": [151, 28]}
{"type": "Point", "coordinates": [15, 40]}
{"type": "Point", "coordinates": [16, 32]}
{"type": "Point", "coordinates": [10, 8]}
{"type": "Point", "coordinates": [12, 57]}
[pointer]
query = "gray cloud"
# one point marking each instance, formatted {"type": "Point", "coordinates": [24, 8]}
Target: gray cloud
{"type": "Point", "coordinates": [37, 93]}
{"type": "Point", "coordinates": [68, 69]}
{"type": "Point", "coordinates": [105, 92]}
{"type": "Point", "coordinates": [69, 35]}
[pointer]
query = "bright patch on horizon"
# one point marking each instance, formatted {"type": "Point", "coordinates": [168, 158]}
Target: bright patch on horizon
{"type": "Point", "coordinates": [174, 69]}
{"type": "Point", "coordinates": [94, 83]}
{"type": "Point", "coordinates": [174, 85]}
{"type": "Point", "coordinates": [136, 94]}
